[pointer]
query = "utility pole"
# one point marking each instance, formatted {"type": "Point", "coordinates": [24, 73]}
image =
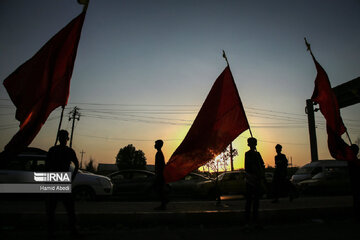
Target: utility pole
{"type": "Point", "coordinates": [309, 110]}
{"type": "Point", "coordinates": [82, 154]}
{"type": "Point", "coordinates": [74, 114]}
{"type": "Point", "coordinates": [231, 157]}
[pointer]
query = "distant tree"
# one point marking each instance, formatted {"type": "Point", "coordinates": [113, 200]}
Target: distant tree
{"type": "Point", "coordinates": [130, 158]}
{"type": "Point", "coordinates": [214, 165]}
{"type": "Point", "coordinates": [226, 157]}
{"type": "Point", "coordinates": [90, 165]}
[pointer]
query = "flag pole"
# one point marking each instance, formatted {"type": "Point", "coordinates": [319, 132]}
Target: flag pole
{"type": "Point", "coordinates": [228, 65]}
{"type": "Point", "coordinates": [61, 118]}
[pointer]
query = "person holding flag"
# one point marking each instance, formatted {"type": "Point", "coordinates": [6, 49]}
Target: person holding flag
{"type": "Point", "coordinates": [58, 159]}
{"type": "Point", "coordinates": [354, 173]}
{"type": "Point", "coordinates": [255, 177]}
{"type": "Point", "coordinates": [38, 87]}
{"type": "Point", "coordinates": [42, 83]}
{"type": "Point", "coordinates": [324, 95]}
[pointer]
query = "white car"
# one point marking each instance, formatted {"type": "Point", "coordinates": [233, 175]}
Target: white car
{"type": "Point", "coordinates": [309, 170]}
{"type": "Point", "coordinates": [86, 186]}
{"type": "Point", "coordinates": [323, 177]}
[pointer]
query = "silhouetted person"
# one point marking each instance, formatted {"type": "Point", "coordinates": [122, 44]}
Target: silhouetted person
{"type": "Point", "coordinates": [354, 173]}
{"type": "Point", "coordinates": [59, 159]}
{"type": "Point", "coordinates": [255, 176]}
{"type": "Point", "coordinates": [159, 175]}
{"type": "Point", "coordinates": [280, 175]}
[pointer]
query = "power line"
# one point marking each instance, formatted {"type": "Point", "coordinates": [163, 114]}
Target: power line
{"type": "Point", "coordinates": [16, 125]}
{"type": "Point", "coordinates": [248, 109]}
{"type": "Point", "coordinates": [277, 119]}
{"type": "Point", "coordinates": [126, 139]}
{"type": "Point", "coordinates": [168, 140]}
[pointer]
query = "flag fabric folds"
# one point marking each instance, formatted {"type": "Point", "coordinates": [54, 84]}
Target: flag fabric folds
{"type": "Point", "coordinates": [42, 83]}
{"type": "Point", "coordinates": [325, 97]}
{"type": "Point", "coordinates": [339, 149]}
{"type": "Point", "coordinates": [220, 120]}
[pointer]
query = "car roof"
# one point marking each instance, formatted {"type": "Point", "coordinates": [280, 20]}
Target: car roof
{"type": "Point", "coordinates": [131, 170]}
{"type": "Point", "coordinates": [30, 153]}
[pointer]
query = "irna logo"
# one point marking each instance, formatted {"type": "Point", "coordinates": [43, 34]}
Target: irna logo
{"type": "Point", "coordinates": [52, 176]}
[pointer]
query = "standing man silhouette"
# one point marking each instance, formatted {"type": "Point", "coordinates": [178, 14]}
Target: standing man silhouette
{"type": "Point", "coordinates": [159, 175]}
{"type": "Point", "coordinates": [59, 159]}
{"type": "Point", "coordinates": [255, 175]}
{"type": "Point", "coordinates": [280, 174]}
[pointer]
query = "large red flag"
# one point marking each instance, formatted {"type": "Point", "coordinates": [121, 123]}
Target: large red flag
{"type": "Point", "coordinates": [325, 97]}
{"type": "Point", "coordinates": [329, 107]}
{"type": "Point", "coordinates": [220, 120]}
{"type": "Point", "coordinates": [42, 83]}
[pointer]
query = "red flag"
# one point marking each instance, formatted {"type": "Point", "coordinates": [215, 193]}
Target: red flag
{"type": "Point", "coordinates": [329, 107]}
{"type": "Point", "coordinates": [325, 97]}
{"type": "Point", "coordinates": [220, 120]}
{"type": "Point", "coordinates": [42, 83]}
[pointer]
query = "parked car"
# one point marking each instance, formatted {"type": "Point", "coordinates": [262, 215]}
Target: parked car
{"type": "Point", "coordinates": [195, 186]}
{"type": "Point", "coordinates": [231, 183]}
{"type": "Point", "coordinates": [139, 184]}
{"type": "Point", "coordinates": [309, 170]}
{"type": "Point", "coordinates": [86, 186]}
{"type": "Point", "coordinates": [133, 184]}
{"type": "Point", "coordinates": [323, 177]}
{"type": "Point", "coordinates": [90, 186]}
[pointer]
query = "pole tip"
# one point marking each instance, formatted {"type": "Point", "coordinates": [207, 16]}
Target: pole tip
{"type": "Point", "coordinates": [308, 48]}
{"type": "Point", "coordinates": [85, 3]}
{"type": "Point", "coordinates": [224, 56]}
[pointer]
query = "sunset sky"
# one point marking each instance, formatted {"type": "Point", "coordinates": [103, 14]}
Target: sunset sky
{"type": "Point", "coordinates": [144, 68]}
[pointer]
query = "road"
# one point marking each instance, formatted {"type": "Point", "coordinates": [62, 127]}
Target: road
{"type": "Point", "coordinates": [312, 218]}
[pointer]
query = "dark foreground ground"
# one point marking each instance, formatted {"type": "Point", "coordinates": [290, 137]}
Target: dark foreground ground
{"type": "Point", "coordinates": [313, 229]}
{"type": "Point", "coordinates": [305, 218]}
